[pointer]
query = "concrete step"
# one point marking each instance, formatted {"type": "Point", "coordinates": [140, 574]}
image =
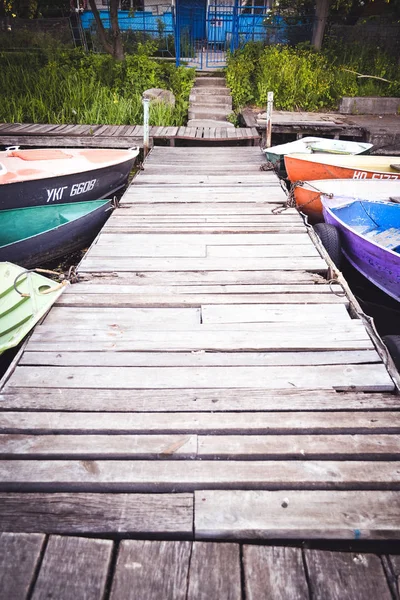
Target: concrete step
{"type": "Point", "coordinates": [217, 101]}
{"type": "Point", "coordinates": [208, 112]}
{"type": "Point", "coordinates": [205, 90]}
{"type": "Point", "coordinates": [208, 123]}
{"type": "Point", "coordinates": [210, 82]}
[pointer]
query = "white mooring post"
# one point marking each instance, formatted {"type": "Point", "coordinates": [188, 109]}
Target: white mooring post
{"type": "Point", "coordinates": [146, 137]}
{"type": "Point", "coordinates": [270, 104]}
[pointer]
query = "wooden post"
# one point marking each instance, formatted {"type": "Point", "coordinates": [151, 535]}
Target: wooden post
{"type": "Point", "coordinates": [270, 103]}
{"type": "Point", "coordinates": [146, 140]}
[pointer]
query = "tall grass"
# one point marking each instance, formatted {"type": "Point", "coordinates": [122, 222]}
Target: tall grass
{"type": "Point", "coordinates": [76, 88]}
{"type": "Point", "coordinates": [303, 79]}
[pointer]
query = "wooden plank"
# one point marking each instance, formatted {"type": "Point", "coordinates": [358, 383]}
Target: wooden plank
{"type": "Point", "coordinates": [19, 558]}
{"type": "Point", "coordinates": [73, 568]}
{"type": "Point", "coordinates": [95, 514]}
{"type": "Point", "coordinates": [353, 377]}
{"type": "Point", "coordinates": [274, 573]}
{"type": "Point", "coordinates": [346, 576]}
{"type": "Point", "coordinates": [253, 337]}
{"type": "Point", "coordinates": [132, 317]}
{"type": "Point", "coordinates": [143, 297]}
{"type": "Point", "coordinates": [214, 572]}
{"type": "Point", "coordinates": [206, 278]}
{"type": "Point", "coordinates": [222, 208]}
{"type": "Point", "coordinates": [277, 423]}
{"type": "Point", "coordinates": [153, 570]}
{"type": "Point", "coordinates": [193, 400]}
{"type": "Point", "coordinates": [246, 313]}
{"type": "Point", "coordinates": [105, 446]}
{"type": "Point", "coordinates": [89, 263]}
{"type": "Point", "coordinates": [318, 447]}
{"type": "Point", "coordinates": [297, 514]}
{"type": "Point", "coordinates": [187, 476]}
{"type": "Point", "coordinates": [200, 251]}
{"type": "Point", "coordinates": [204, 359]}
{"type": "Point", "coordinates": [394, 562]}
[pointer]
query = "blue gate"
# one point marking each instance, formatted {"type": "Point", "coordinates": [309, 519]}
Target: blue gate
{"type": "Point", "coordinates": [205, 32]}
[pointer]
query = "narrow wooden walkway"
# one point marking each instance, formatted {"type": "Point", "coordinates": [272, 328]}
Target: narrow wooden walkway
{"type": "Point", "coordinates": [202, 381]}
{"type": "Point", "coordinates": [117, 136]}
{"type": "Point", "coordinates": [35, 567]}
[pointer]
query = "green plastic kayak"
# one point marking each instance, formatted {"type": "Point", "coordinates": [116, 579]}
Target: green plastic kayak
{"type": "Point", "coordinates": [25, 297]}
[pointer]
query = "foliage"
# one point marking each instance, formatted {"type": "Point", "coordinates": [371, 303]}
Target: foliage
{"type": "Point", "coordinates": [303, 79]}
{"type": "Point", "coordinates": [74, 87]}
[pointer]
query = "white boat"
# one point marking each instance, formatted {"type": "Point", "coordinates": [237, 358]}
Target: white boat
{"type": "Point", "coordinates": [58, 176]}
{"type": "Point", "coordinates": [310, 145]}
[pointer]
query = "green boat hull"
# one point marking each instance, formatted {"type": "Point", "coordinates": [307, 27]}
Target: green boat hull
{"type": "Point", "coordinates": [25, 297]}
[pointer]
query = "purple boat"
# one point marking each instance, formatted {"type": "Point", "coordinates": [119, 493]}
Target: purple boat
{"type": "Point", "coordinates": [369, 236]}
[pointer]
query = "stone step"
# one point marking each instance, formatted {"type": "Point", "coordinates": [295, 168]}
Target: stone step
{"type": "Point", "coordinates": [210, 82]}
{"type": "Point", "coordinates": [217, 101]}
{"type": "Point", "coordinates": [205, 90]}
{"type": "Point", "coordinates": [207, 112]}
{"type": "Point", "coordinates": [209, 123]}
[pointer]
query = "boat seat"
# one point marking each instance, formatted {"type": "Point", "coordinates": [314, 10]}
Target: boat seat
{"type": "Point", "coordinates": [388, 238]}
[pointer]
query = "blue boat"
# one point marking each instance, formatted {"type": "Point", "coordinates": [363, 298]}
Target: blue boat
{"type": "Point", "coordinates": [368, 234]}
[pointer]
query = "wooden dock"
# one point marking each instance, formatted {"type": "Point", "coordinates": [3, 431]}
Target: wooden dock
{"type": "Point", "coordinates": [118, 136]}
{"type": "Point", "coordinates": [202, 381]}
{"type": "Point", "coordinates": [35, 567]}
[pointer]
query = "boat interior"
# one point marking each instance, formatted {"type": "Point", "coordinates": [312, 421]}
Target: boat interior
{"type": "Point", "coordinates": [379, 222]}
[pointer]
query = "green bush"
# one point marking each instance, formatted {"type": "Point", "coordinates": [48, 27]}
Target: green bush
{"type": "Point", "coordinates": [303, 79]}
{"type": "Point", "coordinates": [74, 87]}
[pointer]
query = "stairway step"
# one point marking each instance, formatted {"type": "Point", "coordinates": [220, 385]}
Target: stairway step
{"type": "Point", "coordinates": [206, 90]}
{"type": "Point", "coordinates": [207, 113]}
{"type": "Point", "coordinates": [210, 82]}
{"type": "Point", "coordinates": [217, 101]}
{"type": "Point", "coordinates": [209, 123]}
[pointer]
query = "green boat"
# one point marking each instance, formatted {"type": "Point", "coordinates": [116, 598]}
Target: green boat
{"type": "Point", "coordinates": [25, 297]}
{"type": "Point", "coordinates": [35, 235]}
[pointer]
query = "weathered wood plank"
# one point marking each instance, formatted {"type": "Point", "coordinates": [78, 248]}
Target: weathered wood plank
{"type": "Point", "coordinates": [171, 359]}
{"type": "Point", "coordinates": [193, 400]}
{"type": "Point", "coordinates": [106, 446]}
{"type": "Point", "coordinates": [245, 313]}
{"type": "Point", "coordinates": [214, 572]}
{"type": "Point", "coordinates": [278, 423]}
{"type": "Point", "coordinates": [346, 576]}
{"type": "Point", "coordinates": [205, 277]}
{"type": "Point", "coordinates": [19, 558]}
{"type": "Point", "coordinates": [318, 447]}
{"type": "Point", "coordinates": [316, 264]}
{"type": "Point", "coordinates": [274, 573]}
{"type": "Point", "coordinates": [188, 240]}
{"type": "Point", "coordinates": [187, 476]}
{"type": "Point", "coordinates": [100, 514]}
{"type": "Point", "coordinates": [124, 317]}
{"type": "Point", "coordinates": [143, 297]}
{"type": "Point", "coordinates": [73, 568]}
{"type": "Point", "coordinates": [371, 377]}
{"type": "Point", "coordinates": [286, 514]}
{"type": "Point", "coordinates": [153, 570]}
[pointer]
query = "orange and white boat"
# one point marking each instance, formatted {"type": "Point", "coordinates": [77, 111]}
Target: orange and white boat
{"type": "Point", "coordinates": [309, 194]}
{"type": "Point", "coordinates": [56, 176]}
{"type": "Point", "coordinates": [308, 167]}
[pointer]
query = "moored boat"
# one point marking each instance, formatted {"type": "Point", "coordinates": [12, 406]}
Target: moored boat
{"type": "Point", "coordinates": [308, 194]}
{"type": "Point", "coordinates": [369, 237]}
{"type": "Point", "coordinates": [304, 167]}
{"type": "Point", "coordinates": [38, 234]}
{"type": "Point", "coordinates": [25, 297]}
{"type": "Point", "coordinates": [310, 145]}
{"type": "Point", "coordinates": [54, 176]}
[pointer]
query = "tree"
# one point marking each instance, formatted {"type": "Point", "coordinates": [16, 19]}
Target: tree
{"type": "Point", "coordinates": [321, 17]}
{"type": "Point", "coordinates": [110, 40]}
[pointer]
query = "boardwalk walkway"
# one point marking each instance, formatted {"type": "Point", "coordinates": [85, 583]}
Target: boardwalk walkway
{"type": "Point", "coordinates": [34, 567]}
{"type": "Point", "coordinates": [202, 381]}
